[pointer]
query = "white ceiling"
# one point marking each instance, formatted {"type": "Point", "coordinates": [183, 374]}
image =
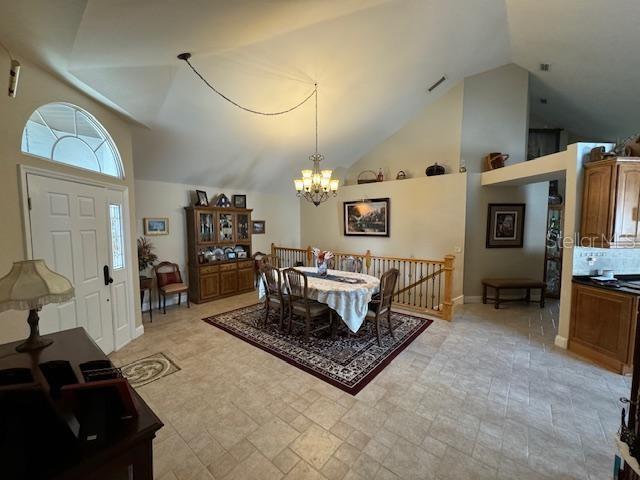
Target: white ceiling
{"type": "Point", "coordinates": [372, 59]}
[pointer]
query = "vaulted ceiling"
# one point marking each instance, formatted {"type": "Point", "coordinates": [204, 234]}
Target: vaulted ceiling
{"type": "Point", "coordinates": [372, 59]}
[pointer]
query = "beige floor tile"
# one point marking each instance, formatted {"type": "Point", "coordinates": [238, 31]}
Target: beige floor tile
{"type": "Point", "coordinates": [496, 368]}
{"type": "Point", "coordinates": [304, 471]}
{"type": "Point", "coordinates": [255, 467]}
{"type": "Point", "coordinates": [273, 437]}
{"type": "Point", "coordinates": [286, 460]}
{"type": "Point", "coordinates": [325, 412]}
{"type": "Point", "coordinates": [316, 446]}
{"type": "Point", "coordinates": [334, 469]}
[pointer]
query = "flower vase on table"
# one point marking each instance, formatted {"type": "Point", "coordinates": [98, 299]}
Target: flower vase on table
{"type": "Point", "coordinates": [322, 260]}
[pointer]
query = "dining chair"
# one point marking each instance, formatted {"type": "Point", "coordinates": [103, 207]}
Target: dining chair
{"type": "Point", "coordinates": [380, 305]}
{"type": "Point", "coordinates": [301, 305]}
{"type": "Point", "coordinates": [169, 282]}
{"type": "Point", "coordinates": [351, 264]}
{"type": "Point", "coordinates": [275, 297]}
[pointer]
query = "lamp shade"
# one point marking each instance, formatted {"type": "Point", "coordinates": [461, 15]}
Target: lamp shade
{"type": "Point", "coordinates": [31, 284]}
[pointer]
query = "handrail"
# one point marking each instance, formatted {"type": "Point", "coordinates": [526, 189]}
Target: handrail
{"type": "Point", "coordinates": [424, 285]}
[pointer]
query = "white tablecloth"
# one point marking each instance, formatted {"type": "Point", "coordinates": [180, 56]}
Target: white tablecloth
{"type": "Point", "coordinates": [350, 301]}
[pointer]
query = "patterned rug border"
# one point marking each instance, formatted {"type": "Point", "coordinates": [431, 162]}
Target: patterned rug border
{"type": "Point", "coordinates": [363, 382]}
{"type": "Point", "coordinates": [174, 364]}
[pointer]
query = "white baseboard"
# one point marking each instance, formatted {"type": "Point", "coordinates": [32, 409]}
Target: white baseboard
{"type": "Point", "coordinates": [561, 342]}
{"type": "Point", "coordinates": [139, 331]}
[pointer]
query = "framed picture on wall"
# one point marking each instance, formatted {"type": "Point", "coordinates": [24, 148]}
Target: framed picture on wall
{"type": "Point", "coordinates": [258, 227]}
{"type": "Point", "coordinates": [156, 226]}
{"type": "Point", "coordinates": [369, 218]}
{"type": "Point", "coordinates": [505, 225]}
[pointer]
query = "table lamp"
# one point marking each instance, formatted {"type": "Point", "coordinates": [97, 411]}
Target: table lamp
{"type": "Point", "coordinates": [30, 285]}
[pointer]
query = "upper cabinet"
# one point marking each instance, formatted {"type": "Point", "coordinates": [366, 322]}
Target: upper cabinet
{"type": "Point", "coordinates": [611, 203]}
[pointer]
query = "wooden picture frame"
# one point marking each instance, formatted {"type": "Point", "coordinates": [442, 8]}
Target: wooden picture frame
{"type": "Point", "coordinates": [505, 225]}
{"type": "Point", "coordinates": [367, 218]}
{"type": "Point", "coordinates": [156, 226]}
{"type": "Point", "coordinates": [239, 201]}
{"type": "Point", "coordinates": [258, 227]}
{"type": "Point", "coordinates": [202, 199]}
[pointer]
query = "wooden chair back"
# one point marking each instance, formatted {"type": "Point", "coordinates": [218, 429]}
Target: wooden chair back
{"type": "Point", "coordinates": [351, 264]}
{"type": "Point", "coordinates": [387, 286]}
{"type": "Point", "coordinates": [167, 273]}
{"type": "Point", "coordinates": [297, 284]}
{"type": "Point", "coordinates": [272, 279]}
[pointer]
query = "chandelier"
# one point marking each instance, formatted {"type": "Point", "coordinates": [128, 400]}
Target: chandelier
{"type": "Point", "coordinates": [316, 185]}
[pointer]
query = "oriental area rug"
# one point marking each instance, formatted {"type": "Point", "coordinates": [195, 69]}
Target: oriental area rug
{"type": "Point", "coordinates": [349, 362]}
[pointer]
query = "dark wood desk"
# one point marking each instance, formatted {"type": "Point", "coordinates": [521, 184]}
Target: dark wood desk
{"type": "Point", "coordinates": [125, 454]}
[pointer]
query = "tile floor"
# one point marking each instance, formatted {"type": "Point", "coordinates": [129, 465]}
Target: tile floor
{"type": "Point", "coordinates": [484, 397]}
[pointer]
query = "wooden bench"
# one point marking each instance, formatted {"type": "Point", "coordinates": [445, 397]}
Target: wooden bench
{"type": "Point", "coordinates": [512, 284]}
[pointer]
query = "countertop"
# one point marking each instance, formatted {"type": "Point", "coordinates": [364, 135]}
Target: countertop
{"type": "Point", "coordinates": [621, 287]}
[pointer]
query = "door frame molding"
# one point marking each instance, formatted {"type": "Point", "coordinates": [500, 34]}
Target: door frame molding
{"type": "Point", "coordinates": [24, 170]}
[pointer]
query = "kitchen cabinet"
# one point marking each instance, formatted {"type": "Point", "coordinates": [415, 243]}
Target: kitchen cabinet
{"type": "Point", "coordinates": [611, 203]}
{"type": "Point", "coordinates": [603, 326]}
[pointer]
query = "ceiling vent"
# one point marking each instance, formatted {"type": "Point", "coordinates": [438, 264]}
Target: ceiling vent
{"type": "Point", "coordinates": [437, 84]}
{"type": "Point", "coordinates": [545, 67]}
{"type": "Point", "coordinates": [543, 101]}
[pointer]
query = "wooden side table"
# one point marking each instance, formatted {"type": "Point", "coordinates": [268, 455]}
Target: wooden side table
{"type": "Point", "coordinates": [145, 284]}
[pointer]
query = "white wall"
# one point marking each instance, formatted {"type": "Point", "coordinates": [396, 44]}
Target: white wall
{"type": "Point", "coordinates": [495, 116]}
{"type": "Point", "coordinates": [495, 119]}
{"type": "Point", "coordinates": [432, 136]}
{"type": "Point", "coordinates": [161, 199]}
{"type": "Point", "coordinates": [427, 219]}
{"type": "Point", "coordinates": [37, 88]}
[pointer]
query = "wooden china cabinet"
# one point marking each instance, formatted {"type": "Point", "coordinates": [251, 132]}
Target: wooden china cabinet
{"type": "Point", "coordinates": [210, 232]}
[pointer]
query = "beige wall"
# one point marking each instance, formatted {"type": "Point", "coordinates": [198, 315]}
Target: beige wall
{"type": "Point", "coordinates": [160, 199]}
{"type": "Point", "coordinates": [432, 136]}
{"type": "Point", "coordinates": [427, 218]}
{"type": "Point", "coordinates": [35, 89]}
{"type": "Point", "coordinates": [495, 119]}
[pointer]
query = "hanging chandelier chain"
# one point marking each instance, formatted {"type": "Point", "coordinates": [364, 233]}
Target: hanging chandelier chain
{"type": "Point", "coordinates": [316, 93]}
{"type": "Point", "coordinates": [186, 56]}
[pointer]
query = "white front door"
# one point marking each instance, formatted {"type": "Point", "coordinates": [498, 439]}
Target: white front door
{"type": "Point", "coordinates": [72, 229]}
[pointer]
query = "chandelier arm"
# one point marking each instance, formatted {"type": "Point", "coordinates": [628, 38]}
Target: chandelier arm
{"type": "Point", "coordinates": [185, 57]}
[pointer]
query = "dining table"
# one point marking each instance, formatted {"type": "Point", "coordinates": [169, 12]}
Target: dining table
{"type": "Point", "coordinates": [347, 293]}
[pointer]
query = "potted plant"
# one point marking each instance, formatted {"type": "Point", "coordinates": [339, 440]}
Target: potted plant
{"type": "Point", "coordinates": [146, 257]}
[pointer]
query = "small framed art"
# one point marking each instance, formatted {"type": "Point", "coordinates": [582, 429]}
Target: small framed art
{"type": "Point", "coordinates": [203, 201]}
{"type": "Point", "coordinates": [239, 201]}
{"type": "Point", "coordinates": [505, 225]}
{"type": "Point", "coordinates": [156, 226]}
{"type": "Point", "coordinates": [258, 227]}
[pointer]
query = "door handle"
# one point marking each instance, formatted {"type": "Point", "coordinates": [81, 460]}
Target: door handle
{"type": "Point", "coordinates": [107, 278]}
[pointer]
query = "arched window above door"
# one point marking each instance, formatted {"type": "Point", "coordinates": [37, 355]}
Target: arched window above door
{"type": "Point", "coordinates": [64, 133]}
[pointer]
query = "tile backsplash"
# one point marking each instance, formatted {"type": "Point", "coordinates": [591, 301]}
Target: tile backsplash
{"type": "Point", "coordinates": [620, 260]}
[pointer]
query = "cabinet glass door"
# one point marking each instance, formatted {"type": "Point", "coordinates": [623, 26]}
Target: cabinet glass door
{"type": "Point", "coordinates": [243, 227]}
{"type": "Point", "coordinates": [225, 227]}
{"type": "Point", "coordinates": [206, 227]}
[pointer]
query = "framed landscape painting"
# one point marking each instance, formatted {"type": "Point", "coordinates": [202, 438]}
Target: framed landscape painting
{"type": "Point", "coordinates": [156, 226]}
{"type": "Point", "coordinates": [369, 218]}
{"type": "Point", "coordinates": [505, 225]}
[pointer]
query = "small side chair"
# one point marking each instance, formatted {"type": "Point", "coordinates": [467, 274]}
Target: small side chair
{"type": "Point", "coordinates": [169, 282]}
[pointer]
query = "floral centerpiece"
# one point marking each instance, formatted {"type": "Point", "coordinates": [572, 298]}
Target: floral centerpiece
{"type": "Point", "coordinates": [146, 257]}
{"type": "Point", "coordinates": [322, 260]}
